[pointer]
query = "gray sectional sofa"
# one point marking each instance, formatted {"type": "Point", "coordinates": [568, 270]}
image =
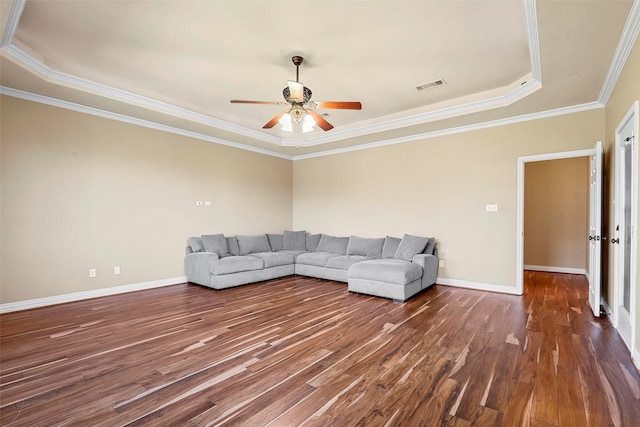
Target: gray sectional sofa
{"type": "Point", "coordinates": [387, 267]}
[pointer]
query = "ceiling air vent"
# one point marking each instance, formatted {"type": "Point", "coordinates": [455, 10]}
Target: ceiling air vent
{"type": "Point", "coordinates": [431, 85]}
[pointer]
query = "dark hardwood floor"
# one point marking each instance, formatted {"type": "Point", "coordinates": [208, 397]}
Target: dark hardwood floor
{"type": "Point", "coordinates": [300, 351]}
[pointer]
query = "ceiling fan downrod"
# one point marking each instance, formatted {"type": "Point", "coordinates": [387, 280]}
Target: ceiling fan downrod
{"type": "Point", "coordinates": [297, 60]}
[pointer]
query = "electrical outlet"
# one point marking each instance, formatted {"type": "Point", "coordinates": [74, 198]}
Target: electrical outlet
{"type": "Point", "coordinates": [492, 208]}
{"type": "Point", "coordinates": [116, 270]}
{"type": "Point", "coordinates": [441, 263]}
{"type": "Point", "coordinates": [207, 203]}
{"type": "Point", "coordinates": [92, 272]}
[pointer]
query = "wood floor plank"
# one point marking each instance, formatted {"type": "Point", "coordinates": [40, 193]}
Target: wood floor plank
{"type": "Point", "coordinates": [304, 351]}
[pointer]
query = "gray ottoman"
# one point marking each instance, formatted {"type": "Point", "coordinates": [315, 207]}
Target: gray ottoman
{"type": "Point", "coordinates": [388, 278]}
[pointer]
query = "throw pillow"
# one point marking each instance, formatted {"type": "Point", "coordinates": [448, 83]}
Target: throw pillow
{"type": "Point", "coordinates": [390, 246]}
{"type": "Point", "coordinates": [333, 245]}
{"type": "Point", "coordinates": [410, 246]}
{"type": "Point", "coordinates": [196, 244]}
{"type": "Point", "coordinates": [234, 249]}
{"type": "Point", "coordinates": [253, 244]}
{"type": "Point", "coordinates": [216, 243]}
{"type": "Point", "coordinates": [312, 241]}
{"type": "Point", "coordinates": [295, 241]}
{"type": "Point", "coordinates": [431, 245]}
{"type": "Point", "coordinates": [276, 241]}
{"type": "Point", "coordinates": [364, 246]}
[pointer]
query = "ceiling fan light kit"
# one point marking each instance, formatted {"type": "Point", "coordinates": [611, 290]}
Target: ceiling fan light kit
{"type": "Point", "coordinates": [301, 115]}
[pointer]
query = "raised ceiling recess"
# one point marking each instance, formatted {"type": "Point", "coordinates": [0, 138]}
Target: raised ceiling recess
{"type": "Point", "coordinates": [177, 64]}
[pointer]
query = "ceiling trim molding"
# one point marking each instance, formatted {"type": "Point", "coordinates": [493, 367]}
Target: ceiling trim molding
{"type": "Point", "coordinates": [47, 73]}
{"type": "Point", "coordinates": [12, 22]}
{"type": "Point", "coordinates": [625, 44]}
{"type": "Point", "coordinates": [16, 93]}
{"type": "Point", "coordinates": [460, 129]}
{"type": "Point", "coordinates": [15, 53]}
{"type": "Point", "coordinates": [531, 20]}
{"type": "Point", "coordinates": [459, 110]}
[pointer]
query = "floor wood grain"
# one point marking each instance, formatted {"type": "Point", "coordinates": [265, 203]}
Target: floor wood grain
{"type": "Point", "coordinates": [301, 351]}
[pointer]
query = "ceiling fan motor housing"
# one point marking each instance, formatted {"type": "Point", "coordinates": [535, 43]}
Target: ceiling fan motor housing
{"type": "Point", "coordinates": [306, 95]}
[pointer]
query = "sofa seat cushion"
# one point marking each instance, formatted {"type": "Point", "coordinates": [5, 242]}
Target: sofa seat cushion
{"type": "Point", "coordinates": [394, 271]}
{"type": "Point", "coordinates": [295, 254]}
{"type": "Point", "coordinates": [343, 262]}
{"type": "Point", "coordinates": [319, 259]}
{"type": "Point", "coordinates": [274, 259]}
{"type": "Point", "coordinates": [236, 264]}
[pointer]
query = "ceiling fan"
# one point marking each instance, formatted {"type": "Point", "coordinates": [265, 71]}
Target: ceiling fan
{"type": "Point", "coordinates": [302, 110]}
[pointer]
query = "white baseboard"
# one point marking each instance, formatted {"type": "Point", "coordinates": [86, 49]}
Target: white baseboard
{"type": "Point", "coordinates": [78, 296]}
{"type": "Point", "coordinates": [551, 269]}
{"type": "Point", "coordinates": [635, 354]}
{"type": "Point", "coordinates": [504, 289]}
{"type": "Point", "coordinates": [635, 358]}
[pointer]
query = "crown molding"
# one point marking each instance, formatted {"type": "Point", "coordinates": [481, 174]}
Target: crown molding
{"type": "Point", "coordinates": [460, 129]}
{"type": "Point", "coordinates": [16, 93]}
{"type": "Point", "coordinates": [458, 110]}
{"type": "Point", "coordinates": [625, 44]}
{"type": "Point", "coordinates": [531, 21]}
{"type": "Point", "coordinates": [20, 56]}
{"type": "Point", "coordinates": [12, 22]}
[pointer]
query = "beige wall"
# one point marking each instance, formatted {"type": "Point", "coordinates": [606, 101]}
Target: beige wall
{"type": "Point", "coordinates": [81, 192]}
{"type": "Point", "coordinates": [556, 213]}
{"type": "Point", "coordinates": [626, 92]}
{"type": "Point", "coordinates": [438, 187]}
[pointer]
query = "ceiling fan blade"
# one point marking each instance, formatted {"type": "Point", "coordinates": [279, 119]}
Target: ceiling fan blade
{"type": "Point", "coordinates": [296, 91]}
{"type": "Point", "coordinates": [320, 121]}
{"type": "Point", "coordinates": [343, 105]}
{"type": "Point", "coordinates": [239, 101]}
{"type": "Point", "coordinates": [271, 123]}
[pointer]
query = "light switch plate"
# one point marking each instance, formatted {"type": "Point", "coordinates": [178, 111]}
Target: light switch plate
{"type": "Point", "coordinates": [492, 208]}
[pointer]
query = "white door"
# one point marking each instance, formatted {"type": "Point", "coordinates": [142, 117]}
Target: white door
{"type": "Point", "coordinates": [595, 225]}
{"type": "Point", "coordinates": [626, 210]}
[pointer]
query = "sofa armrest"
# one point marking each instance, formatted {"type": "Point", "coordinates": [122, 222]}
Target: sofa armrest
{"type": "Point", "coordinates": [196, 267]}
{"type": "Point", "coordinates": [429, 264]}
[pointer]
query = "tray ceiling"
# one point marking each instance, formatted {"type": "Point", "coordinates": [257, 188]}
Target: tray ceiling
{"type": "Point", "coordinates": [179, 63]}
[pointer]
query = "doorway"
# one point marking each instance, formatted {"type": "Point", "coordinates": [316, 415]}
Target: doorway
{"type": "Point", "coordinates": [626, 214]}
{"type": "Point", "coordinates": [556, 217]}
{"type": "Point", "coordinates": [595, 205]}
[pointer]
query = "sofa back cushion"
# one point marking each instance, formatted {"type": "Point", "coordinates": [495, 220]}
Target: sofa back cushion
{"type": "Point", "coordinates": [390, 246]}
{"type": "Point", "coordinates": [253, 244]}
{"type": "Point", "coordinates": [334, 245]}
{"type": "Point", "coordinates": [276, 241]}
{"type": "Point", "coordinates": [195, 243]}
{"type": "Point", "coordinates": [232, 242]}
{"type": "Point", "coordinates": [312, 241]}
{"type": "Point", "coordinates": [370, 247]}
{"type": "Point", "coordinates": [295, 241]}
{"type": "Point", "coordinates": [431, 246]}
{"type": "Point", "coordinates": [216, 243]}
{"type": "Point", "coordinates": [410, 246]}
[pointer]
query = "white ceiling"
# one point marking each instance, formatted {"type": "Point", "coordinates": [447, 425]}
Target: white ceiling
{"type": "Point", "coordinates": [177, 64]}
